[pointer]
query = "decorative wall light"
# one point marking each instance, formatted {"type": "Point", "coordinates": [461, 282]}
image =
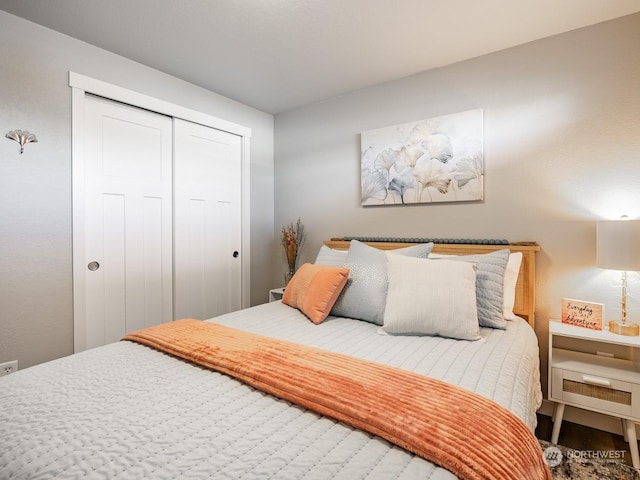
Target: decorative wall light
{"type": "Point", "coordinates": [22, 137]}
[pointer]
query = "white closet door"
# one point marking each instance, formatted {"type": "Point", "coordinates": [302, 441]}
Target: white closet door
{"type": "Point", "coordinates": [127, 253]}
{"type": "Point", "coordinates": [207, 221]}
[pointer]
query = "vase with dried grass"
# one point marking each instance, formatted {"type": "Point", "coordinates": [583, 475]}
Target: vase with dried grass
{"type": "Point", "coordinates": [292, 237]}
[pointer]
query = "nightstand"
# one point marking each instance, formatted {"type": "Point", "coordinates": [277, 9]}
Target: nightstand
{"type": "Point", "coordinates": [597, 371]}
{"type": "Point", "coordinates": [275, 294]}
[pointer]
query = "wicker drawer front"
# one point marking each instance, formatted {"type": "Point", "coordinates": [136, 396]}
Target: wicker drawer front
{"type": "Point", "coordinates": [595, 392]}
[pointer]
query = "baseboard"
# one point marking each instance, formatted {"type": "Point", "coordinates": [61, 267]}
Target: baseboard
{"type": "Point", "coordinates": [584, 417]}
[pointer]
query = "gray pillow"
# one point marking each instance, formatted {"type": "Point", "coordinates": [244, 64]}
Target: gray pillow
{"type": "Point", "coordinates": [489, 285]}
{"type": "Point", "coordinates": [365, 295]}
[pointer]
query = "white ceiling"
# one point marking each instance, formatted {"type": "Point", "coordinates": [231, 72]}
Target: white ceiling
{"type": "Point", "coordinates": [276, 55]}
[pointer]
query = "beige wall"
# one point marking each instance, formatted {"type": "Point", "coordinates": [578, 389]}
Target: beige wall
{"type": "Point", "coordinates": [36, 322]}
{"type": "Point", "coordinates": [562, 150]}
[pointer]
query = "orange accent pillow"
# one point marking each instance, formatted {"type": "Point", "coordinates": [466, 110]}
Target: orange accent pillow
{"type": "Point", "coordinates": [314, 289]}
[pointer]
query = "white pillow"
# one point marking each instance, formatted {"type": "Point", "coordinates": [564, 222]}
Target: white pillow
{"type": "Point", "coordinates": [431, 298]}
{"type": "Point", "coordinates": [330, 257]}
{"type": "Point", "coordinates": [510, 280]}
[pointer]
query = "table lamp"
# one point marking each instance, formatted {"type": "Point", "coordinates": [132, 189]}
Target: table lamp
{"type": "Point", "coordinates": [618, 248]}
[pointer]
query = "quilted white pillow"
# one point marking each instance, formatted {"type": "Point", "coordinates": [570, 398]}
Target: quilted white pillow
{"type": "Point", "coordinates": [431, 298]}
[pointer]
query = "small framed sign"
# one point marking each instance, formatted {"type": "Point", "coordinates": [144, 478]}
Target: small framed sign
{"type": "Point", "coordinates": [582, 314]}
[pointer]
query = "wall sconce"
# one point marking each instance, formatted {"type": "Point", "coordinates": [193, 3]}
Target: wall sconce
{"type": "Point", "coordinates": [22, 137]}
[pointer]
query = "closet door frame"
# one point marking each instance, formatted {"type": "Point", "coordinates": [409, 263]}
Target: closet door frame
{"type": "Point", "coordinates": [80, 86]}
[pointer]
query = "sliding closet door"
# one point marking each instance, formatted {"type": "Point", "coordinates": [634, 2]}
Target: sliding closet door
{"type": "Point", "coordinates": [126, 259]}
{"type": "Point", "coordinates": [207, 221]}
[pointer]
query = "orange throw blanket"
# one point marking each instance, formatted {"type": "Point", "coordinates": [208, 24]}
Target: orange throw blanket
{"type": "Point", "coordinates": [471, 436]}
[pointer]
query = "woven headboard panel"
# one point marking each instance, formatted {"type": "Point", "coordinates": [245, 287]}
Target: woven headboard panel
{"type": "Point", "coordinates": [525, 302]}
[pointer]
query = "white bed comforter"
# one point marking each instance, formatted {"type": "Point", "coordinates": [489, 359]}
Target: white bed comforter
{"type": "Point", "coordinates": [125, 411]}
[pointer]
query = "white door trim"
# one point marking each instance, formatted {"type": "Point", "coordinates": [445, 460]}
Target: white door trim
{"type": "Point", "coordinates": [137, 99]}
{"type": "Point", "coordinates": [80, 85]}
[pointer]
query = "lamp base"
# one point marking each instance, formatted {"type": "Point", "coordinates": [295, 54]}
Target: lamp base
{"type": "Point", "coordinates": [629, 329]}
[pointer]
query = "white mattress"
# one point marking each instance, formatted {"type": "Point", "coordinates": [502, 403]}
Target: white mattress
{"type": "Point", "coordinates": [125, 411]}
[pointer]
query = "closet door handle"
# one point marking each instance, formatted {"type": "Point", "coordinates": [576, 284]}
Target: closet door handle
{"type": "Point", "coordinates": [236, 254]}
{"type": "Point", "coordinates": [93, 266]}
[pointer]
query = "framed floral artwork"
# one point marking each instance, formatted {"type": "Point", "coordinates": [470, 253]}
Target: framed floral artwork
{"type": "Point", "coordinates": [437, 160]}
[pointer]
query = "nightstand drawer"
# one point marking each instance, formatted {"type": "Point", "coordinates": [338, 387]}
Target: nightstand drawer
{"type": "Point", "coordinates": [596, 392]}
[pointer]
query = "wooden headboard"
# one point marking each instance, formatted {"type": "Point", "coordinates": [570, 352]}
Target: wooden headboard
{"type": "Point", "coordinates": [525, 301]}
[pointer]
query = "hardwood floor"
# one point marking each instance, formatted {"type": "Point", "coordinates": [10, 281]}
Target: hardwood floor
{"type": "Point", "coordinates": [580, 437]}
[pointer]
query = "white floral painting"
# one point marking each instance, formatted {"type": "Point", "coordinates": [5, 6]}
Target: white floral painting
{"type": "Point", "coordinates": [436, 160]}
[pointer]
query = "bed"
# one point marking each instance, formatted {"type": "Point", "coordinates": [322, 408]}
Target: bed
{"type": "Point", "coordinates": [129, 411]}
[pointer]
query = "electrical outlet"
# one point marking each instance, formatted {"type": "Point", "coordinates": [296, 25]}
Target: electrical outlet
{"type": "Point", "coordinates": [8, 367]}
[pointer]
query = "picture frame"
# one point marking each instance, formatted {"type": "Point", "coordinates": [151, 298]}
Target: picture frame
{"type": "Point", "coordinates": [440, 159]}
{"type": "Point", "coordinates": [582, 314]}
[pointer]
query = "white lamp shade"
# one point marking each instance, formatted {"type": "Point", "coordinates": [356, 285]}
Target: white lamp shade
{"type": "Point", "coordinates": [618, 245]}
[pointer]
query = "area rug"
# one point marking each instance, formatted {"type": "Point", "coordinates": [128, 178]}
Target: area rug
{"type": "Point", "coordinates": [568, 464]}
